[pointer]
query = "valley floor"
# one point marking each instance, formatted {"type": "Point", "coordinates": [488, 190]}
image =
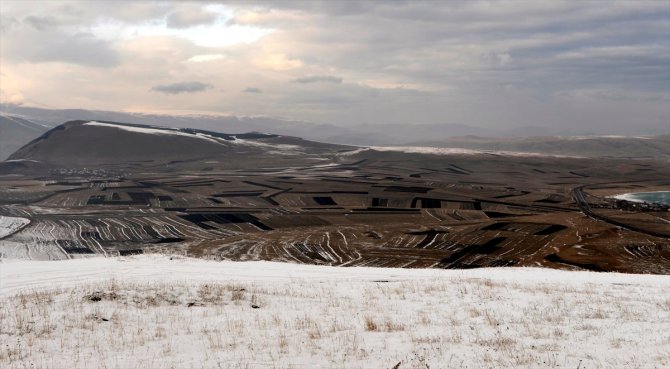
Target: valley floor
{"type": "Point", "coordinates": [160, 311]}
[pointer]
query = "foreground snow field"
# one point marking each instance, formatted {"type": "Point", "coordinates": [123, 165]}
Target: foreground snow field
{"type": "Point", "coordinates": [156, 311]}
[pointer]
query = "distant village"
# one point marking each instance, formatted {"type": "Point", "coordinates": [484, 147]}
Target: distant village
{"type": "Point", "coordinates": [632, 205]}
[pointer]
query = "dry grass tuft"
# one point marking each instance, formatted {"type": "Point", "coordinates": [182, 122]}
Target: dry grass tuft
{"type": "Point", "coordinates": [370, 324]}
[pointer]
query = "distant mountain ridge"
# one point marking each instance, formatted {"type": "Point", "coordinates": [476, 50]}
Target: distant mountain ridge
{"type": "Point", "coordinates": [19, 125]}
{"type": "Point", "coordinates": [349, 134]}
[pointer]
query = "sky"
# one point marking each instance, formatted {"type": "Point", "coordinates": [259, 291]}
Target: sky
{"type": "Point", "coordinates": [493, 64]}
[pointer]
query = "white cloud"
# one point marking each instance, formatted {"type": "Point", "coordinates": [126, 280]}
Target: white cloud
{"type": "Point", "coordinates": [215, 35]}
{"type": "Point", "coordinates": [206, 57]}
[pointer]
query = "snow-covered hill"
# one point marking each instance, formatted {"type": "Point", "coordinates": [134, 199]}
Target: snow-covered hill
{"type": "Point", "coordinates": [158, 311]}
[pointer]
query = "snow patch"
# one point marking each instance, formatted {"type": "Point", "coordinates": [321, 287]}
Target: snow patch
{"type": "Point", "coordinates": [10, 225]}
{"type": "Point", "coordinates": [21, 160]}
{"type": "Point", "coordinates": [618, 137]}
{"type": "Point", "coordinates": [279, 148]}
{"type": "Point", "coordinates": [354, 152]}
{"type": "Point", "coordinates": [460, 151]}
{"type": "Point", "coordinates": [154, 131]}
{"type": "Point", "coordinates": [18, 274]}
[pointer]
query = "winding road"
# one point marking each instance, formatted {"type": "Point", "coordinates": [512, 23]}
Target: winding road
{"type": "Point", "coordinates": [578, 196]}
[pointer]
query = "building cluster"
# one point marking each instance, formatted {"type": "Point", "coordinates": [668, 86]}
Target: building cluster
{"type": "Point", "coordinates": [637, 206]}
{"type": "Point", "coordinates": [626, 205]}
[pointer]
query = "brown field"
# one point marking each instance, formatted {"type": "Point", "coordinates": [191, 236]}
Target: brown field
{"type": "Point", "coordinates": [368, 208]}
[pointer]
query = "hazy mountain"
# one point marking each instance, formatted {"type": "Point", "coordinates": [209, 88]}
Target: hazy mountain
{"type": "Point", "coordinates": [403, 133]}
{"type": "Point", "coordinates": [16, 132]}
{"type": "Point", "coordinates": [216, 123]}
{"type": "Point", "coordinates": [362, 134]}
{"type": "Point", "coordinates": [657, 147]}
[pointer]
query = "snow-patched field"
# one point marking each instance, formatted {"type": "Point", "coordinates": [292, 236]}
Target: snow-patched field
{"type": "Point", "coordinates": [156, 311]}
{"type": "Point", "coordinates": [460, 151]}
{"type": "Point", "coordinates": [9, 225]}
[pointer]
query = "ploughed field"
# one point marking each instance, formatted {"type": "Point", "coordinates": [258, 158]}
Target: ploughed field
{"type": "Point", "coordinates": [346, 207]}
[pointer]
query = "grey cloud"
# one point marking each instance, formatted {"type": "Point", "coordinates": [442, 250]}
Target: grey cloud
{"type": "Point", "coordinates": [189, 17]}
{"type": "Point", "coordinates": [80, 48]}
{"type": "Point", "coordinates": [182, 87]}
{"type": "Point", "coordinates": [6, 23]}
{"type": "Point", "coordinates": [476, 58]}
{"type": "Point", "coordinates": [252, 90]}
{"type": "Point", "coordinates": [131, 12]}
{"type": "Point", "coordinates": [333, 8]}
{"type": "Point", "coordinates": [348, 95]}
{"type": "Point", "coordinates": [41, 23]}
{"type": "Point", "coordinates": [475, 43]}
{"type": "Point", "coordinates": [87, 13]}
{"type": "Point", "coordinates": [315, 79]}
{"type": "Point", "coordinates": [614, 94]}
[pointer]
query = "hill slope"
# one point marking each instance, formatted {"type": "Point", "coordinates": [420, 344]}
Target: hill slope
{"type": "Point", "coordinates": [89, 143]}
{"type": "Point", "coordinates": [16, 132]}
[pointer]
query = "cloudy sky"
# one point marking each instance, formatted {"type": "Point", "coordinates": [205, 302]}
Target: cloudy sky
{"type": "Point", "coordinates": [488, 64]}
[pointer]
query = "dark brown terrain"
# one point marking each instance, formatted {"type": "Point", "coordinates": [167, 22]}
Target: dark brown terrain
{"type": "Point", "coordinates": [91, 189]}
